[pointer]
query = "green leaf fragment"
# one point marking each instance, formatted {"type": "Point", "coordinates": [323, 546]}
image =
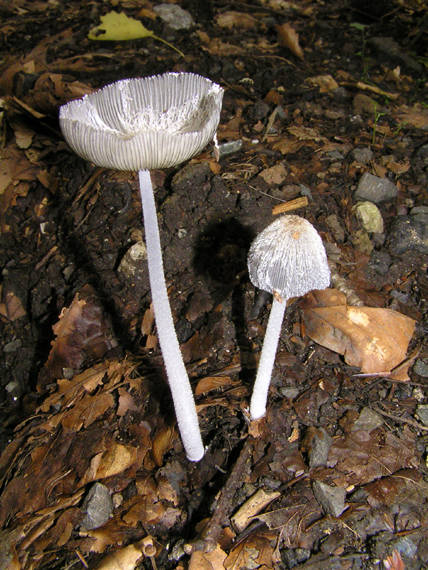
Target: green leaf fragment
{"type": "Point", "coordinates": [117, 26]}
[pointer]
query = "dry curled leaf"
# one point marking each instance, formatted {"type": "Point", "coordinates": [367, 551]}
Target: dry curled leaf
{"type": "Point", "coordinates": [374, 339]}
{"type": "Point", "coordinates": [289, 38]}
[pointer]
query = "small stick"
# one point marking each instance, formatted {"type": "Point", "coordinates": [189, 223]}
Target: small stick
{"type": "Point", "coordinates": [300, 202]}
{"type": "Point", "coordinates": [225, 504]}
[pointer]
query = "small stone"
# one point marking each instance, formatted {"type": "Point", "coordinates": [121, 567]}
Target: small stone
{"type": "Point", "coordinates": [375, 189]}
{"type": "Point", "coordinates": [362, 155]}
{"type": "Point", "coordinates": [12, 346]}
{"type": "Point", "coordinates": [320, 446]}
{"type": "Point", "coordinates": [420, 214]}
{"type": "Point", "coordinates": [364, 105]}
{"type": "Point", "coordinates": [336, 227]}
{"type": "Point", "coordinates": [380, 262]}
{"type": "Point", "coordinates": [362, 242]}
{"type": "Point", "coordinates": [332, 499]}
{"type": "Point", "coordinates": [393, 52]}
{"type": "Point", "coordinates": [407, 234]}
{"type": "Point", "coordinates": [275, 174]}
{"type": "Point", "coordinates": [230, 147]}
{"type": "Point", "coordinates": [370, 217]}
{"type": "Point", "coordinates": [97, 506]}
{"type": "Point", "coordinates": [421, 368]}
{"type": "Point", "coordinates": [368, 420]}
{"type": "Point", "coordinates": [422, 413]}
{"type": "Point", "coordinates": [132, 262]}
{"type": "Point", "coordinates": [174, 16]}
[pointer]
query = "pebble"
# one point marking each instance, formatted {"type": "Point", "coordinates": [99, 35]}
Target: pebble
{"type": "Point", "coordinates": [332, 499]}
{"type": "Point", "coordinates": [407, 234]}
{"type": "Point", "coordinates": [375, 189]}
{"type": "Point", "coordinates": [229, 147]}
{"type": "Point", "coordinates": [132, 263]}
{"type": "Point", "coordinates": [370, 217]}
{"type": "Point", "coordinates": [421, 368]}
{"type": "Point", "coordinates": [362, 155]}
{"type": "Point", "coordinates": [320, 446]}
{"type": "Point", "coordinates": [336, 227]}
{"type": "Point", "coordinates": [392, 51]}
{"type": "Point", "coordinates": [368, 420]}
{"type": "Point", "coordinates": [174, 16]}
{"type": "Point", "coordinates": [364, 105]}
{"type": "Point", "coordinates": [380, 262]}
{"type": "Point", "coordinates": [97, 506]}
{"type": "Point", "coordinates": [422, 413]}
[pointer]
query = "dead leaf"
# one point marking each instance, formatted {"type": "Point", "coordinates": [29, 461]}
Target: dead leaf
{"type": "Point", "coordinates": [162, 443]}
{"type": "Point", "coordinates": [83, 334]}
{"type": "Point", "coordinates": [117, 26]}
{"type": "Point", "coordinates": [326, 83]}
{"type": "Point", "coordinates": [289, 38]}
{"type": "Point", "coordinates": [122, 559]}
{"type": "Point", "coordinates": [232, 19]}
{"type": "Point", "coordinates": [253, 552]}
{"type": "Point", "coordinates": [394, 562]}
{"type": "Point", "coordinates": [252, 506]}
{"type": "Point", "coordinates": [374, 339]}
{"type": "Point", "coordinates": [210, 383]}
{"type": "Point", "coordinates": [415, 116]}
{"type": "Point", "coordinates": [306, 133]}
{"type": "Point", "coordinates": [212, 560]}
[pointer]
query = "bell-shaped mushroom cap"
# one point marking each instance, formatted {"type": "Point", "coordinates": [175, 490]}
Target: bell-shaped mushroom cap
{"type": "Point", "coordinates": [144, 123]}
{"type": "Point", "coordinates": [288, 258]}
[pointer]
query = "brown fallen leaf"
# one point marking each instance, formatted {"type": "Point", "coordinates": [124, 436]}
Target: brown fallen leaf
{"type": "Point", "coordinates": [289, 38]}
{"type": "Point", "coordinates": [232, 19]}
{"type": "Point", "coordinates": [208, 560]}
{"type": "Point", "coordinates": [124, 558]}
{"type": "Point", "coordinates": [374, 339]}
{"type": "Point", "coordinates": [83, 334]}
{"type": "Point", "coordinates": [394, 562]}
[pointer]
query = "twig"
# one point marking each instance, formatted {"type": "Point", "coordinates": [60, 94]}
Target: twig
{"type": "Point", "coordinates": [412, 423]}
{"type": "Point", "coordinates": [224, 504]}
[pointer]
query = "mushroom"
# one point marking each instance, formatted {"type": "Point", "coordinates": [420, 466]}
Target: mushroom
{"type": "Point", "coordinates": [286, 259]}
{"type": "Point", "coordinates": [140, 124]}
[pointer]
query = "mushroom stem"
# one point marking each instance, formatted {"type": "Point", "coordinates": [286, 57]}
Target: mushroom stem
{"type": "Point", "coordinates": [267, 359]}
{"type": "Point", "coordinates": [178, 380]}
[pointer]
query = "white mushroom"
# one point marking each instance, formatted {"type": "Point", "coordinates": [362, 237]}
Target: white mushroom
{"type": "Point", "coordinates": [286, 259]}
{"type": "Point", "coordinates": [140, 124]}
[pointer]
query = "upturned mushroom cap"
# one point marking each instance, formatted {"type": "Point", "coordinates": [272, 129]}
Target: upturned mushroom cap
{"type": "Point", "coordinates": [288, 258]}
{"type": "Point", "coordinates": [144, 123]}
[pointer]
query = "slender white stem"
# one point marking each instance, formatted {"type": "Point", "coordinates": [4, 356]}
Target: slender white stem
{"type": "Point", "coordinates": [267, 359]}
{"type": "Point", "coordinates": [179, 384]}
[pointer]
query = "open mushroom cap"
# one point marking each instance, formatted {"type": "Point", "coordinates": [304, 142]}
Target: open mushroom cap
{"type": "Point", "coordinates": [144, 123]}
{"type": "Point", "coordinates": [288, 258]}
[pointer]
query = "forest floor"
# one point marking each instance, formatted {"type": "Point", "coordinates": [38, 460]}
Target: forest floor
{"type": "Point", "coordinates": [325, 103]}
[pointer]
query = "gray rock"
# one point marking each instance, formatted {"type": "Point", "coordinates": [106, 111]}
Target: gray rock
{"type": "Point", "coordinates": [421, 368]}
{"type": "Point", "coordinates": [132, 263]}
{"type": "Point", "coordinates": [375, 189]}
{"type": "Point", "coordinates": [321, 443]}
{"type": "Point", "coordinates": [420, 214]}
{"type": "Point", "coordinates": [393, 52]}
{"type": "Point", "coordinates": [336, 227]}
{"type": "Point", "coordinates": [368, 420]}
{"type": "Point", "coordinates": [362, 155]}
{"type": "Point", "coordinates": [407, 234]}
{"type": "Point", "coordinates": [229, 147]}
{"type": "Point", "coordinates": [422, 413]}
{"type": "Point", "coordinates": [174, 16]}
{"type": "Point", "coordinates": [332, 499]}
{"type": "Point", "coordinates": [380, 262]}
{"type": "Point", "coordinates": [97, 507]}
